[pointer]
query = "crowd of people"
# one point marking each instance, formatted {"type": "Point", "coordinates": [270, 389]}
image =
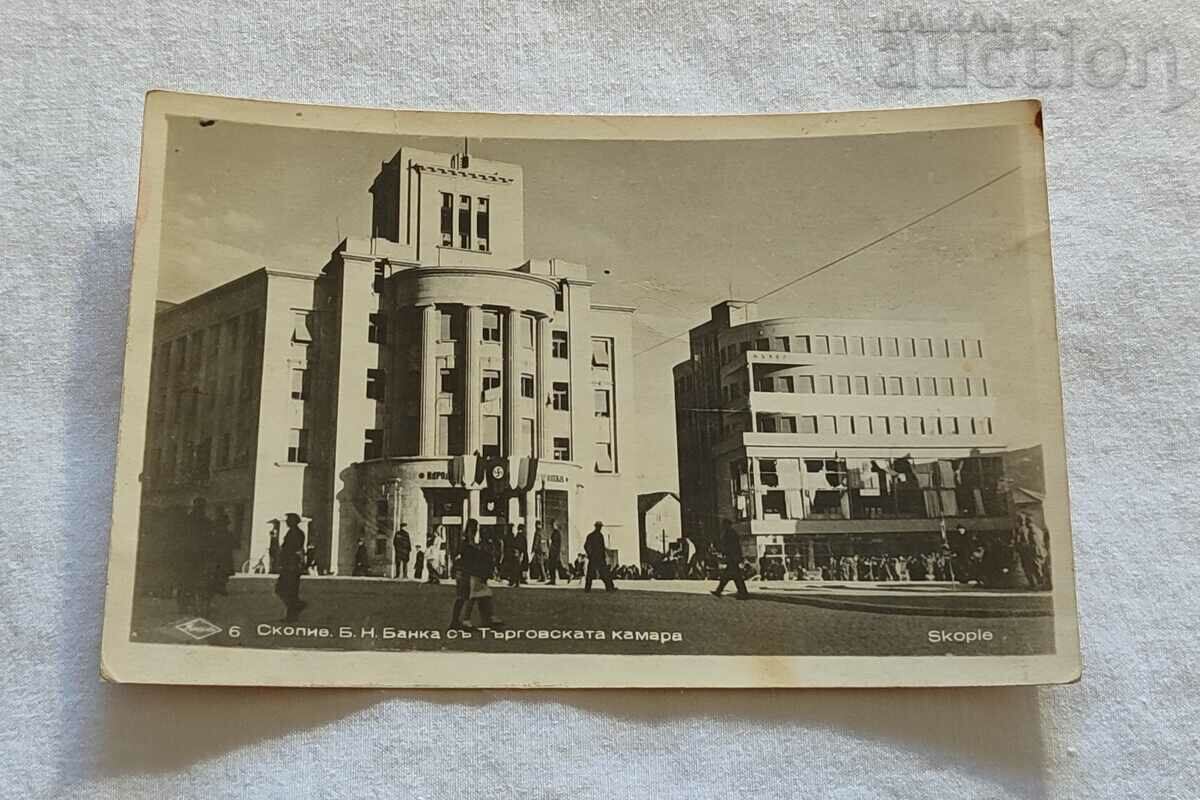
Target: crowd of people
{"type": "Point", "coordinates": [189, 559]}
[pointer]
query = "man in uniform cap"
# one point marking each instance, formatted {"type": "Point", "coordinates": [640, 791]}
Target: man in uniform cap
{"type": "Point", "coordinates": [597, 562]}
{"type": "Point", "coordinates": [291, 567]}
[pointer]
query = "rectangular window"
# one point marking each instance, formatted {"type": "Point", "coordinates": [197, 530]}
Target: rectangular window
{"type": "Point", "coordinates": [881, 426]}
{"type": "Point", "coordinates": [820, 345]}
{"type": "Point", "coordinates": [950, 426]}
{"type": "Point", "coordinates": [449, 434]}
{"type": "Point", "coordinates": [855, 346]}
{"type": "Point", "coordinates": [491, 436]}
{"type": "Point", "coordinates": [527, 437]}
{"type": "Point", "coordinates": [376, 329]}
{"type": "Point", "coordinates": [928, 387]}
{"type": "Point", "coordinates": [464, 221]}
{"type": "Point", "coordinates": [785, 384]}
{"type": "Point", "coordinates": [908, 347]}
{"type": "Point", "coordinates": [944, 348]}
{"type": "Point", "coordinates": [845, 425]}
{"type": "Point", "coordinates": [837, 345]}
{"type": "Point", "coordinates": [891, 346]}
{"type": "Point", "coordinates": [603, 403]}
{"type": "Point", "coordinates": [372, 444]}
{"type": "Point", "coordinates": [491, 385]}
{"type": "Point", "coordinates": [963, 348]}
{"type": "Point", "coordinates": [377, 280]}
{"type": "Point", "coordinates": [916, 426]}
{"type": "Point", "coordinates": [782, 344]}
{"type": "Point", "coordinates": [933, 426]}
{"type": "Point", "coordinates": [878, 385]}
{"type": "Point", "coordinates": [447, 219]}
{"type": "Point", "coordinates": [842, 385]}
{"type": "Point", "coordinates": [375, 384]}
{"type": "Point", "coordinates": [560, 396]}
{"type": "Point", "coordinates": [562, 448]}
{"type": "Point", "coordinates": [925, 348]}
{"type": "Point", "coordinates": [560, 300]}
{"type": "Point", "coordinates": [297, 446]}
{"type": "Point", "coordinates": [824, 384]}
{"type": "Point", "coordinates": [862, 426]}
{"type": "Point", "coordinates": [491, 326]}
{"type": "Point", "coordinates": [766, 423]}
{"type": "Point", "coordinates": [445, 325]}
{"type": "Point", "coordinates": [895, 386]}
{"type": "Point", "coordinates": [978, 347]}
{"type": "Point", "coordinates": [910, 385]}
{"type": "Point", "coordinates": [963, 387]}
{"type": "Point", "coordinates": [860, 385]}
{"type": "Point", "coordinates": [558, 344]}
{"type": "Point", "coordinates": [446, 381]}
{"type": "Point", "coordinates": [299, 383]}
{"type": "Point", "coordinates": [983, 387]}
{"type": "Point", "coordinates": [604, 457]}
{"type": "Point", "coordinates": [768, 471]}
{"type": "Point", "coordinates": [527, 386]}
{"type": "Point", "coordinates": [805, 385]}
{"type": "Point", "coordinates": [808, 424]}
{"type": "Point", "coordinates": [483, 224]}
{"type": "Point", "coordinates": [786, 425]}
{"type": "Point", "coordinates": [803, 344]}
{"type": "Point", "coordinates": [601, 352]}
{"type": "Point", "coordinates": [527, 326]}
{"type": "Point", "coordinates": [300, 328]}
{"type": "Point", "coordinates": [872, 345]}
{"type": "Point", "coordinates": [946, 387]}
{"type": "Point", "coordinates": [899, 426]}
{"type": "Point", "coordinates": [828, 424]}
{"type": "Point", "coordinates": [763, 344]}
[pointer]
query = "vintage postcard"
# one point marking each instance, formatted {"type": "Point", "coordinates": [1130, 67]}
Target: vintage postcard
{"type": "Point", "coordinates": [420, 399]}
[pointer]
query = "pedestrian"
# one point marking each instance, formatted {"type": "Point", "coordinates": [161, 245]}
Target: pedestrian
{"type": "Point", "coordinates": [273, 548]}
{"type": "Point", "coordinates": [540, 552]}
{"type": "Point", "coordinates": [362, 562]}
{"type": "Point", "coordinates": [291, 566]}
{"type": "Point", "coordinates": [597, 559]}
{"type": "Point", "coordinates": [731, 547]}
{"type": "Point", "coordinates": [435, 554]}
{"type": "Point", "coordinates": [401, 550]}
{"type": "Point", "coordinates": [517, 556]}
{"type": "Point", "coordinates": [198, 556]}
{"type": "Point", "coordinates": [554, 556]}
{"type": "Point", "coordinates": [474, 568]}
{"type": "Point", "coordinates": [419, 563]}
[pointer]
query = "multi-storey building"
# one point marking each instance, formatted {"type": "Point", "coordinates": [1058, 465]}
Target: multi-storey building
{"type": "Point", "coordinates": [822, 437]}
{"type": "Point", "coordinates": [430, 374]}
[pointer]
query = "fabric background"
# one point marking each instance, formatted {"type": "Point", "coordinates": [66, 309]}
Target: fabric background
{"type": "Point", "coordinates": [1123, 169]}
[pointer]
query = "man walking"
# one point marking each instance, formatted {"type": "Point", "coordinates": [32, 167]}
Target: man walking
{"type": "Point", "coordinates": [554, 558]}
{"type": "Point", "coordinates": [731, 548]}
{"type": "Point", "coordinates": [597, 562]}
{"type": "Point", "coordinates": [291, 566]}
{"type": "Point", "coordinates": [518, 556]}
{"type": "Point", "coordinates": [537, 561]}
{"type": "Point", "coordinates": [401, 549]}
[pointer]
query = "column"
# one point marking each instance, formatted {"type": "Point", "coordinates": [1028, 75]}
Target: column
{"type": "Point", "coordinates": [430, 331]}
{"type": "Point", "coordinates": [512, 381]}
{"type": "Point", "coordinates": [472, 385]}
{"type": "Point", "coordinates": [541, 382]}
{"type": "Point", "coordinates": [395, 513]}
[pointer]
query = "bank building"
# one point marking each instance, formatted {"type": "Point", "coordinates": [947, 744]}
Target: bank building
{"type": "Point", "coordinates": [430, 373]}
{"type": "Point", "coordinates": [822, 438]}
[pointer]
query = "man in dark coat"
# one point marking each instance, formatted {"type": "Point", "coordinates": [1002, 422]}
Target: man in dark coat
{"type": "Point", "coordinates": [517, 557]}
{"type": "Point", "coordinates": [291, 567]}
{"type": "Point", "coordinates": [731, 548]}
{"type": "Point", "coordinates": [554, 556]}
{"type": "Point", "coordinates": [595, 548]}
{"type": "Point", "coordinates": [401, 549]}
{"type": "Point", "coordinates": [362, 562]}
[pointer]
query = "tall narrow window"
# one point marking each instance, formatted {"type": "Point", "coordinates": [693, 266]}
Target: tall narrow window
{"type": "Point", "coordinates": [527, 326]}
{"type": "Point", "coordinates": [299, 383]}
{"type": "Point", "coordinates": [372, 444]}
{"type": "Point", "coordinates": [297, 446]}
{"type": "Point", "coordinates": [558, 344]}
{"type": "Point", "coordinates": [464, 221]}
{"type": "Point", "coordinates": [491, 385]}
{"type": "Point", "coordinates": [601, 352]}
{"type": "Point", "coordinates": [376, 329]}
{"type": "Point", "coordinates": [562, 448]}
{"type": "Point", "coordinates": [377, 281]}
{"type": "Point", "coordinates": [603, 402]}
{"type": "Point", "coordinates": [604, 457]}
{"type": "Point", "coordinates": [300, 327]}
{"type": "Point", "coordinates": [446, 325]}
{"type": "Point", "coordinates": [837, 345]}
{"type": "Point", "coordinates": [860, 384]}
{"type": "Point", "coordinates": [482, 224]}
{"type": "Point", "coordinates": [446, 381]}
{"type": "Point", "coordinates": [527, 386]}
{"type": "Point", "coordinates": [560, 397]}
{"type": "Point", "coordinates": [925, 348]}
{"type": "Point", "coordinates": [491, 436]}
{"type": "Point", "coordinates": [447, 219]}
{"type": "Point", "coordinates": [375, 384]}
{"type": "Point", "coordinates": [491, 326]}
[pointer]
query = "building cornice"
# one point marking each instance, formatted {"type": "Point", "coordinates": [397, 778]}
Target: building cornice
{"type": "Point", "coordinates": [479, 176]}
{"type": "Point", "coordinates": [611, 307]}
{"type": "Point", "coordinates": [421, 272]}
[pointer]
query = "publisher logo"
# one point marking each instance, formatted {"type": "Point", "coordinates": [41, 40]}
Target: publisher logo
{"type": "Point", "coordinates": [198, 628]}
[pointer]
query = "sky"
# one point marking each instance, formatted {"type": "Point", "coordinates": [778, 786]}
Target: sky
{"type": "Point", "coordinates": [670, 227]}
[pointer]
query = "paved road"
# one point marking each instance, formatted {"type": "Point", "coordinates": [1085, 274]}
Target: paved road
{"type": "Point", "coordinates": [406, 615]}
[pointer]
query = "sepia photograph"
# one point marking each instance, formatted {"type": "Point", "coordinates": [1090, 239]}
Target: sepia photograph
{"type": "Point", "coordinates": [432, 399]}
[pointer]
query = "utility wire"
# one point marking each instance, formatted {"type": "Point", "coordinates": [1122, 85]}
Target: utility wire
{"type": "Point", "coordinates": [852, 253]}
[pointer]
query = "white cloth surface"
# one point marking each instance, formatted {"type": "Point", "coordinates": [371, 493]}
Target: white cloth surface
{"type": "Point", "coordinates": [1123, 170]}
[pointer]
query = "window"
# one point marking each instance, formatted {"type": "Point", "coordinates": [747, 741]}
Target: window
{"type": "Point", "coordinates": [376, 329]}
{"type": "Point", "coordinates": [908, 348]}
{"type": "Point", "coordinates": [824, 384]}
{"type": "Point", "coordinates": [464, 222]}
{"type": "Point", "coordinates": [491, 385]}
{"type": "Point", "coordinates": [820, 345]}
{"type": "Point", "coordinates": [527, 386]}
{"type": "Point", "coordinates": [946, 387]}
{"type": "Point", "coordinates": [297, 446]}
{"type": "Point", "coordinates": [782, 344]}
{"type": "Point", "coordinates": [828, 424]}
{"type": "Point", "coordinates": [300, 329]}
{"type": "Point", "coordinates": [910, 385]}
{"type": "Point", "coordinates": [925, 348]}
{"type": "Point", "coordinates": [558, 344]}
{"type": "Point", "coordinates": [372, 444]}
{"type": "Point", "coordinates": [768, 471]}
{"type": "Point", "coordinates": [978, 347]}
{"type": "Point", "coordinates": [375, 384]}
{"type": "Point", "coordinates": [843, 384]}
{"type": "Point", "coordinates": [891, 346]}
{"type": "Point", "coordinates": [774, 504]}
{"type": "Point", "coordinates": [963, 348]}
{"type": "Point", "coordinates": [447, 219]}
{"type": "Point", "coordinates": [860, 385]}
{"type": "Point", "coordinates": [803, 344]}
{"type": "Point", "coordinates": [963, 387]}
{"type": "Point", "coordinates": [933, 426]}
{"type": "Point", "coordinates": [299, 383]}
{"type": "Point", "coordinates": [446, 325]}
{"type": "Point", "coordinates": [527, 437]}
{"type": "Point", "coordinates": [837, 345]}
{"type": "Point", "coordinates": [878, 386]}
{"type": "Point", "coordinates": [899, 426]}
{"type": "Point", "coordinates": [603, 402]}
{"type": "Point", "coordinates": [950, 426]}
{"type": "Point", "coordinates": [482, 224]}
{"type": "Point", "coordinates": [872, 345]}
{"type": "Point", "coordinates": [845, 425]}
{"type": "Point", "coordinates": [527, 331]}
{"type": "Point", "coordinates": [786, 425]}
{"type": "Point", "coordinates": [766, 423]}
{"type": "Point", "coordinates": [562, 448]}
{"type": "Point", "coordinates": [491, 436]}
{"type": "Point", "coordinates": [895, 386]}
{"type": "Point", "coordinates": [944, 348]}
{"type": "Point", "coordinates": [381, 545]}
{"type": "Point", "coordinates": [855, 347]}
{"type": "Point", "coordinates": [560, 396]}
{"type": "Point", "coordinates": [808, 424]}
{"type": "Point", "coordinates": [928, 387]}
{"type": "Point", "coordinates": [763, 344]}
{"type": "Point", "coordinates": [446, 381]}
{"type": "Point", "coordinates": [880, 426]}
{"type": "Point", "coordinates": [604, 459]}
{"type": "Point", "coordinates": [377, 280]}
{"type": "Point", "coordinates": [449, 434]}
{"type": "Point", "coordinates": [983, 387]}
{"type": "Point", "coordinates": [916, 426]}
{"type": "Point", "coordinates": [491, 326]}
{"type": "Point", "coordinates": [785, 384]}
{"type": "Point", "coordinates": [560, 301]}
{"type": "Point", "coordinates": [601, 352]}
{"type": "Point", "coordinates": [862, 426]}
